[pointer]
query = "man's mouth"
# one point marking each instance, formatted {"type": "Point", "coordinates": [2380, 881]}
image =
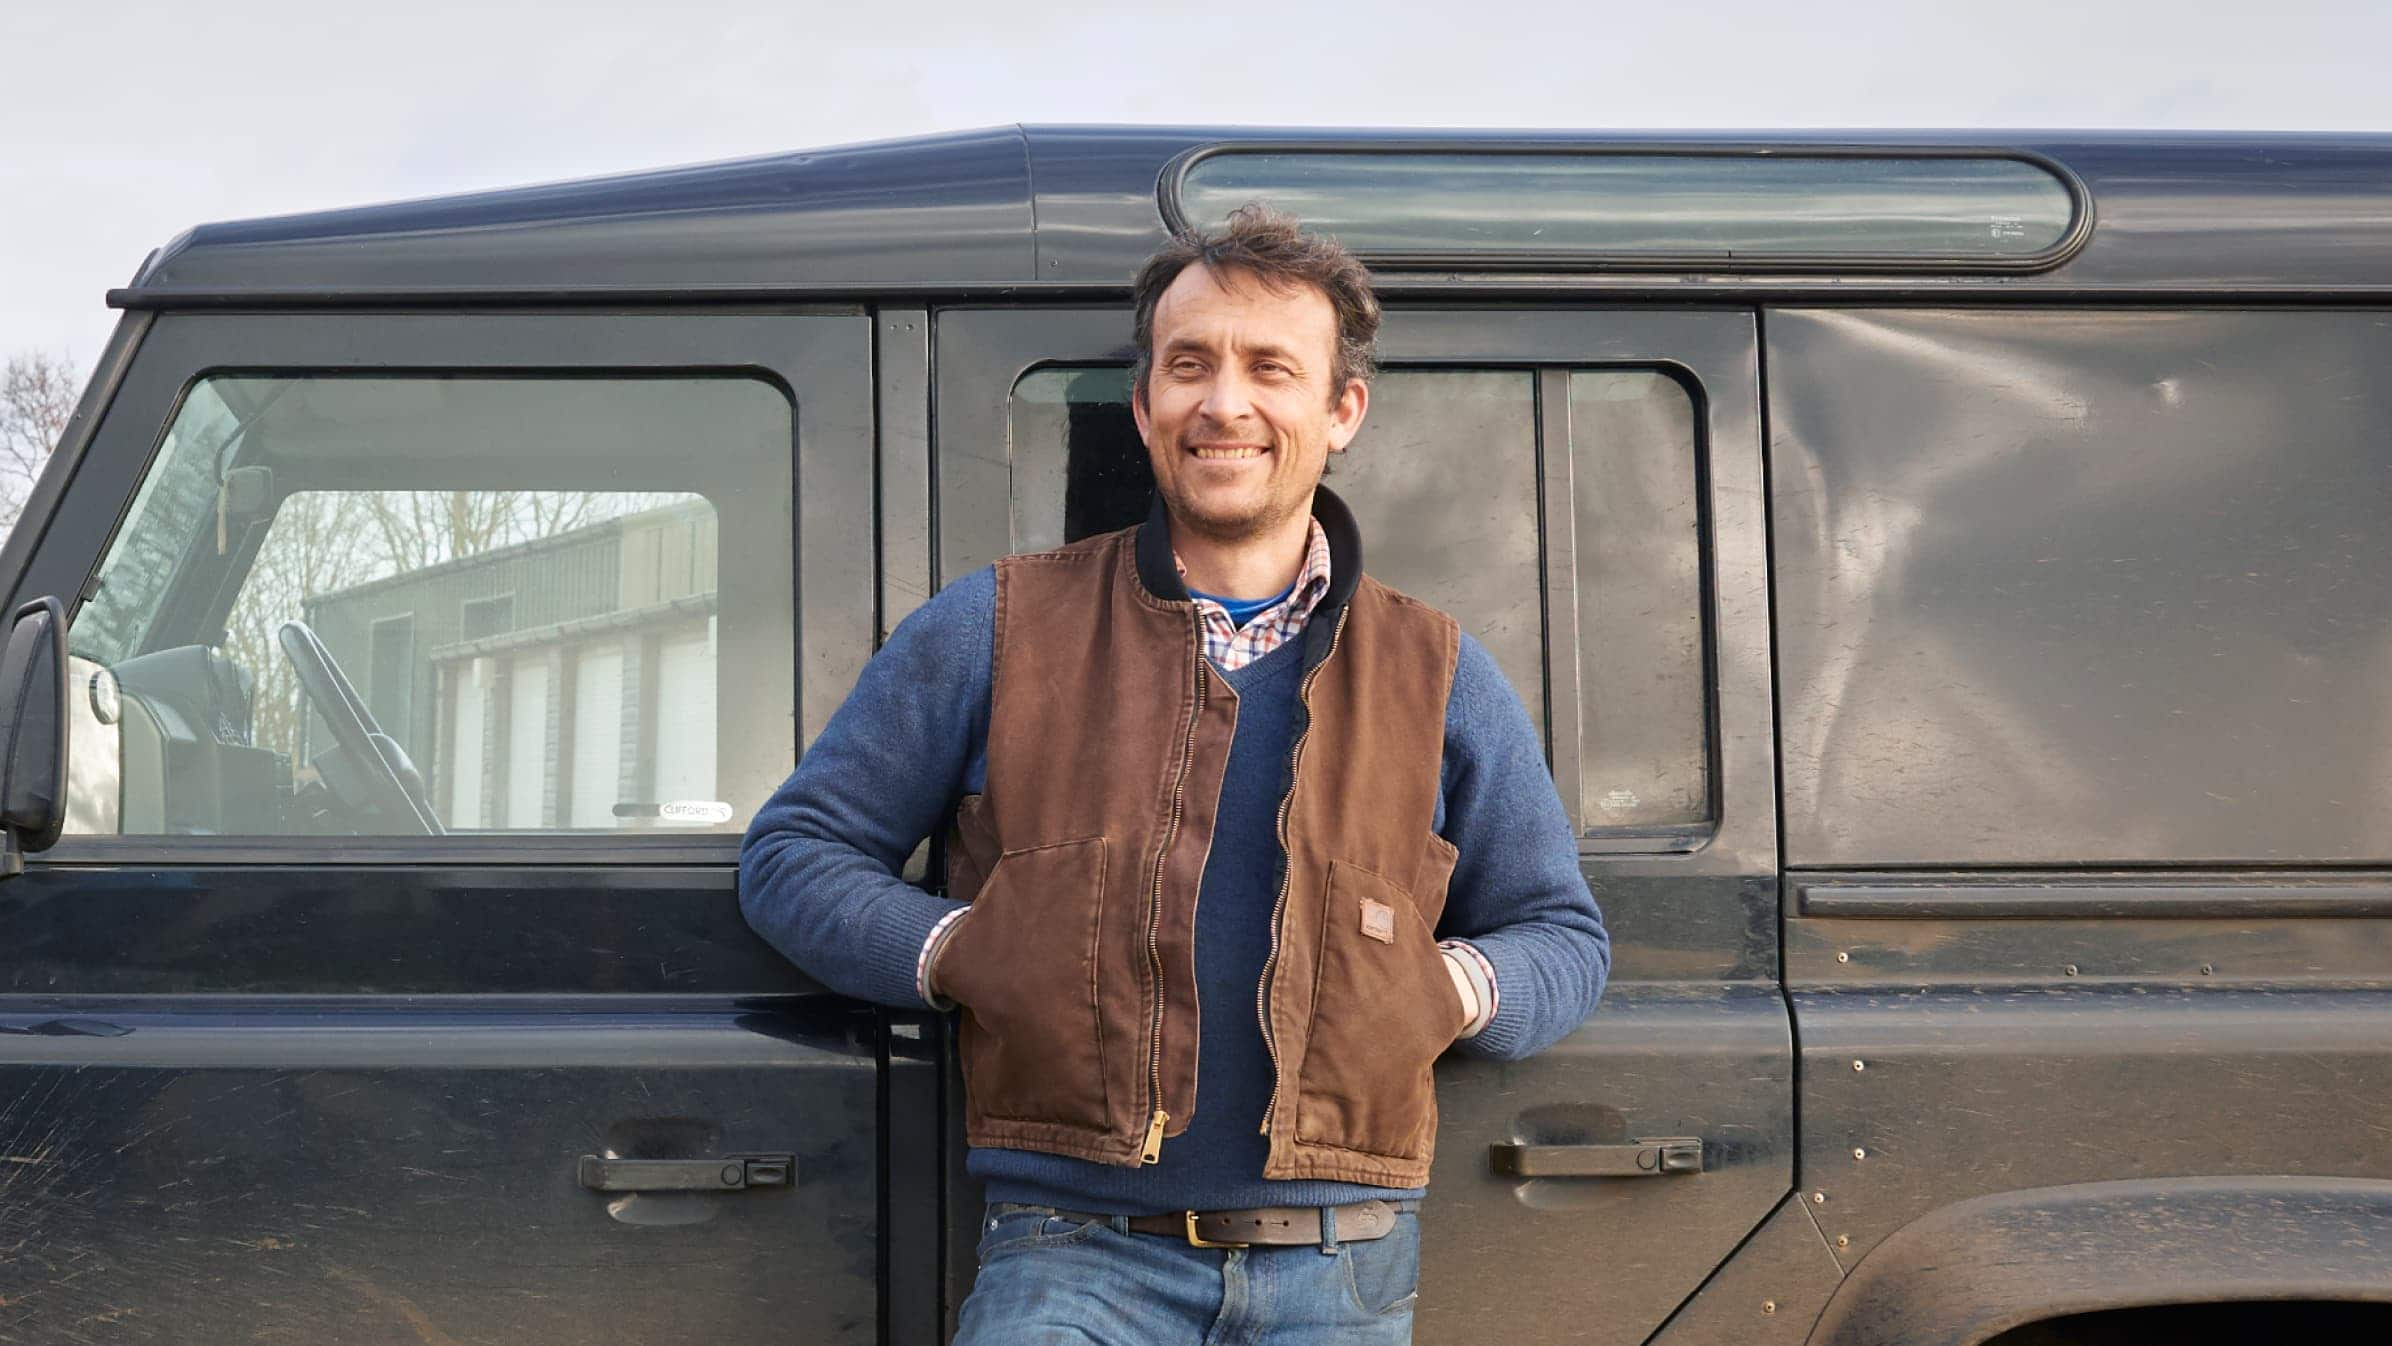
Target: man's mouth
{"type": "Point", "coordinates": [1227, 452]}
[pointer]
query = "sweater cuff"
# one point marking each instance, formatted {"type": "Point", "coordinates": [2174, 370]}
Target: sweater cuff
{"type": "Point", "coordinates": [901, 919]}
{"type": "Point", "coordinates": [931, 944]}
{"type": "Point", "coordinates": [1481, 975]}
{"type": "Point", "coordinates": [1512, 1025]}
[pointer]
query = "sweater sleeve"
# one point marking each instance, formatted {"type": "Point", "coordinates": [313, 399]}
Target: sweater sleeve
{"type": "Point", "coordinates": [1517, 897]}
{"type": "Point", "coordinates": [818, 871]}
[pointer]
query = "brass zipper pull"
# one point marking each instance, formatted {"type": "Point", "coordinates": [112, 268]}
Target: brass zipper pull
{"type": "Point", "coordinates": [1153, 1153]}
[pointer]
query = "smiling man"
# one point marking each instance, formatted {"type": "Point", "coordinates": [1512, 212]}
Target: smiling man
{"type": "Point", "coordinates": [1242, 841]}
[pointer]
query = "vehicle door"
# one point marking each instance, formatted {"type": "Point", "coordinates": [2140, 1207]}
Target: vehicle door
{"type": "Point", "coordinates": [1582, 491]}
{"type": "Point", "coordinates": [390, 984]}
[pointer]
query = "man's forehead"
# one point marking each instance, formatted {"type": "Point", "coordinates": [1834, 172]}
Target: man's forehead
{"type": "Point", "coordinates": [1207, 304]}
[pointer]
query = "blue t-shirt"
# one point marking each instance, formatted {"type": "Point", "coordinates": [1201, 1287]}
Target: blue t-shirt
{"type": "Point", "coordinates": [1244, 610]}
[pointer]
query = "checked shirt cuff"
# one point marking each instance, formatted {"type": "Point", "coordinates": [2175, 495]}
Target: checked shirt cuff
{"type": "Point", "coordinates": [930, 953]}
{"type": "Point", "coordinates": [1481, 975]}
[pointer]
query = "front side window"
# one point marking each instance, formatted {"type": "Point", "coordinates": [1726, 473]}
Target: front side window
{"type": "Point", "coordinates": [417, 605]}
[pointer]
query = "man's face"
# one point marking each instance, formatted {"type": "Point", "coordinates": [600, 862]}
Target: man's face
{"type": "Point", "coordinates": [1240, 411]}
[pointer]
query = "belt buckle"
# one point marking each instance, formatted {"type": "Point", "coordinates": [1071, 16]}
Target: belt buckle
{"type": "Point", "coordinates": [1196, 1240]}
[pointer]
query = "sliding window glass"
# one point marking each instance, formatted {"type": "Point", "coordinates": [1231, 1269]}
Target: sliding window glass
{"type": "Point", "coordinates": [1643, 709]}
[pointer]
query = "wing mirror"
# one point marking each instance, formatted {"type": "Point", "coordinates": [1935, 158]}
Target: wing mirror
{"type": "Point", "coordinates": [33, 719]}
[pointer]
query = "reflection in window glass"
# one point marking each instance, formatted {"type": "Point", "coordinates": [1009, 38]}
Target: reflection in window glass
{"type": "Point", "coordinates": [1643, 759]}
{"type": "Point", "coordinates": [1079, 468]}
{"type": "Point", "coordinates": [1720, 208]}
{"type": "Point", "coordinates": [390, 682]}
{"type": "Point", "coordinates": [175, 501]}
{"type": "Point", "coordinates": [517, 579]}
{"type": "Point", "coordinates": [1443, 478]}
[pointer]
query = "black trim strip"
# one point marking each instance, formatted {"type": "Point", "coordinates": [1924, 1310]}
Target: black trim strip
{"type": "Point", "coordinates": [1543, 287]}
{"type": "Point", "coordinates": [316, 853]}
{"type": "Point", "coordinates": [2179, 896]}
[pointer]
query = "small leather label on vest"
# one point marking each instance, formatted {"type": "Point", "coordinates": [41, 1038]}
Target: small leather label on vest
{"type": "Point", "coordinates": [1378, 921]}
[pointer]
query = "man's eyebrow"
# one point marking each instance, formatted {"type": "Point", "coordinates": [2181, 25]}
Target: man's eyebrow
{"type": "Point", "coordinates": [1268, 350]}
{"type": "Point", "coordinates": [1261, 350]}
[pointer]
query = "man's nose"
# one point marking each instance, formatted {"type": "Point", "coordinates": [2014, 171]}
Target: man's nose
{"type": "Point", "coordinates": [1228, 399]}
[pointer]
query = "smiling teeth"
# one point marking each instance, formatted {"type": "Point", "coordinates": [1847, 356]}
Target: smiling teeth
{"type": "Point", "coordinates": [1229, 453]}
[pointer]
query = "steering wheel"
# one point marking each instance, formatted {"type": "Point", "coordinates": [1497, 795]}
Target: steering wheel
{"type": "Point", "coordinates": [365, 769]}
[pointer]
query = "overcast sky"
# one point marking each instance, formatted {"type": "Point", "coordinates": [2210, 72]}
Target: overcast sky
{"type": "Point", "coordinates": [124, 124]}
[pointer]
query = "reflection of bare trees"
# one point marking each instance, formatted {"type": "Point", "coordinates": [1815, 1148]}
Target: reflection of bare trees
{"type": "Point", "coordinates": [37, 398]}
{"type": "Point", "coordinates": [418, 529]}
{"type": "Point", "coordinates": [324, 541]}
{"type": "Point", "coordinates": [319, 542]}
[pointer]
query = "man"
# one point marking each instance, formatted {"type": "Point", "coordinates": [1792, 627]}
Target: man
{"type": "Point", "coordinates": [1213, 788]}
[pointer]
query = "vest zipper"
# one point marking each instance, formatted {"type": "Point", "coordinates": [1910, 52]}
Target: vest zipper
{"type": "Point", "coordinates": [1287, 878]}
{"type": "Point", "coordinates": [1158, 1119]}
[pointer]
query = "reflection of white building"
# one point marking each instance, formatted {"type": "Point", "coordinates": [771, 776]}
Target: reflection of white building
{"type": "Point", "coordinates": [544, 684]}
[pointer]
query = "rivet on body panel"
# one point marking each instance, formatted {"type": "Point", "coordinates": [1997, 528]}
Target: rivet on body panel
{"type": "Point", "coordinates": [2070, 969]}
{"type": "Point", "coordinates": [1843, 1240]}
{"type": "Point", "coordinates": [1860, 1152]}
{"type": "Point", "coordinates": [1860, 1065]}
{"type": "Point", "coordinates": [1843, 957]}
{"type": "Point", "coordinates": [1818, 1198]}
{"type": "Point", "coordinates": [1768, 1306]}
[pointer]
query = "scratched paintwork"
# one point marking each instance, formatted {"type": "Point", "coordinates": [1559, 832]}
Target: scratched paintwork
{"type": "Point", "coordinates": [1770, 1293]}
{"type": "Point", "coordinates": [2004, 1263]}
{"type": "Point", "coordinates": [361, 1171]}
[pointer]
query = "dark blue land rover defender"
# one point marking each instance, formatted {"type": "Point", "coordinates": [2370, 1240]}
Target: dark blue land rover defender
{"type": "Point", "coordinates": [1950, 573]}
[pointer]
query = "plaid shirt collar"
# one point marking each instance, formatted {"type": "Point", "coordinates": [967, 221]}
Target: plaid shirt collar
{"type": "Point", "coordinates": [1232, 647]}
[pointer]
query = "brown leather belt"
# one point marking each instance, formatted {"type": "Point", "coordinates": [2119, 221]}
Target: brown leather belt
{"type": "Point", "coordinates": [1359, 1222]}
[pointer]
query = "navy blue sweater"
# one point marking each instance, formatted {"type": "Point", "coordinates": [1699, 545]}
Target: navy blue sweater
{"type": "Point", "coordinates": [818, 880]}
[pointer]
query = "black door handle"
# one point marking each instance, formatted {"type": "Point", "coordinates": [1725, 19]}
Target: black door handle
{"type": "Point", "coordinates": [1636, 1159]}
{"type": "Point", "coordinates": [733, 1173]}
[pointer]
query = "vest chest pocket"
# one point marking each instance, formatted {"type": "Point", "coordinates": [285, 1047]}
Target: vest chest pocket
{"type": "Point", "coordinates": [1383, 1010]}
{"type": "Point", "coordinates": [1023, 965]}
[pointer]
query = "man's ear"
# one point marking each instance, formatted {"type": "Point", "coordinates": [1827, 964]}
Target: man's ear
{"type": "Point", "coordinates": [1138, 407]}
{"type": "Point", "coordinates": [1345, 418]}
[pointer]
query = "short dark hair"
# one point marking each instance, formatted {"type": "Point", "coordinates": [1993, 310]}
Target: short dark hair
{"type": "Point", "coordinates": [1269, 246]}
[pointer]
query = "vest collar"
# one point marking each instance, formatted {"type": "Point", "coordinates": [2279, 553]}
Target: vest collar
{"type": "Point", "coordinates": [1160, 575]}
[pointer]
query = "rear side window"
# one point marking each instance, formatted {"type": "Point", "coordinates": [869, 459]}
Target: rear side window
{"type": "Point", "coordinates": [394, 604]}
{"type": "Point", "coordinates": [1472, 485]}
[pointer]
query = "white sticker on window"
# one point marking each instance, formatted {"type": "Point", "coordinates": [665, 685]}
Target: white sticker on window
{"type": "Point", "coordinates": [694, 811]}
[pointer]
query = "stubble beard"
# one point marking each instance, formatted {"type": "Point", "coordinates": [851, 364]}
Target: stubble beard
{"type": "Point", "coordinates": [1231, 527]}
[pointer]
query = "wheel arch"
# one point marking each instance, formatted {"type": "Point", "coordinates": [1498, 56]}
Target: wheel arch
{"type": "Point", "coordinates": [1966, 1272]}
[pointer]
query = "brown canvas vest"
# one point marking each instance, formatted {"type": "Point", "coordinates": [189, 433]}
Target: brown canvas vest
{"type": "Point", "coordinates": [1109, 733]}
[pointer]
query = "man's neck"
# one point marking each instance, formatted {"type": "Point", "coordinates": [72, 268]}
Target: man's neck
{"type": "Point", "coordinates": [1252, 567]}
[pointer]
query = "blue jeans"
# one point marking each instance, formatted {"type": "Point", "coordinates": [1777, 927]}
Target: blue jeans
{"type": "Point", "coordinates": [1045, 1281]}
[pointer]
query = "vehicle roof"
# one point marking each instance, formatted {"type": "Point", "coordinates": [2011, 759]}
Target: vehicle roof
{"type": "Point", "coordinates": [1073, 209]}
